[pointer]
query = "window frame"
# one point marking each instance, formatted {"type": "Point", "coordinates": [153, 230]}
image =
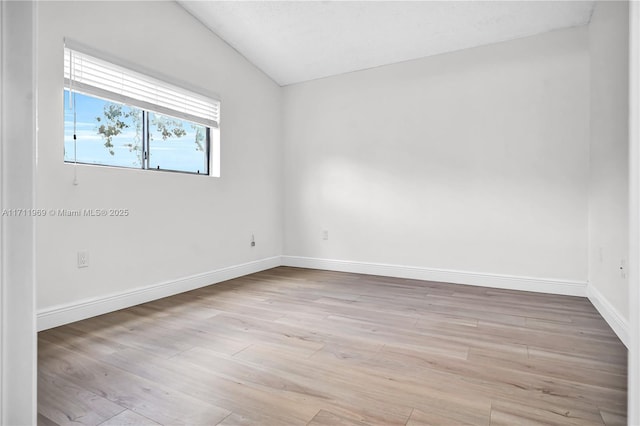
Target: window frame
{"type": "Point", "coordinates": [146, 152]}
{"type": "Point", "coordinates": [211, 165]}
{"type": "Point", "coordinates": [146, 147]}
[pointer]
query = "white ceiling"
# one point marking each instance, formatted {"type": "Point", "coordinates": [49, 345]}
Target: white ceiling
{"type": "Point", "coordinates": [295, 41]}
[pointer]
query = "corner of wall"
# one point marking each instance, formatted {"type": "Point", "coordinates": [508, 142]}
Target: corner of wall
{"type": "Point", "coordinates": [611, 315]}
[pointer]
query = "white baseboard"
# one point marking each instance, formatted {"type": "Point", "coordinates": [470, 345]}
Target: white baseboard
{"type": "Point", "coordinates": [539, 285]}
{"type": "Point", "coordinates": [64, 314]}
{"type": "Point", "coordinates": [610, 314]}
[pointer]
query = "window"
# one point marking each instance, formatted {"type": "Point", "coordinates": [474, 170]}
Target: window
{"type": "Point", "coordinates": [118, 117]}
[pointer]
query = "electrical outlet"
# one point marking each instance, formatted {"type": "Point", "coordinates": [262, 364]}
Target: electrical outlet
{"type": "Point", "coordinates": [83, 259]}
{"type": "Point", "coordinates": [253, 241]}
{"type": "Point", "coordinates": [325, 234]}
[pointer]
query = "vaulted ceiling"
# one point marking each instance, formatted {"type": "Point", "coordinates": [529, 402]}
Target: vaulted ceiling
{"type": "Point", "coordinates": [295, 41]}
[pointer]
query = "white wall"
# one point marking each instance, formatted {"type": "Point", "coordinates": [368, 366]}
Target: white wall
{"type": "Point", "coordinates": [608, 171]}
{"type": "Point", "coordinates": [18, 348]}
{"type": "Point", "coordinates": [471, 161]}
{"type": "Point", "coordinates": [180, 225]}
{"type": "Point", "coordinates": [633, 417]}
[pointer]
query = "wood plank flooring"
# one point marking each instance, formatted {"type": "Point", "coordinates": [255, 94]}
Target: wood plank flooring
{"type": "Point", "coordinates": [292, 346]}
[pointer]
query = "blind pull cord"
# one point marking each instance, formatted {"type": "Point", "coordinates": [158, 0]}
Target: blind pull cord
{"type": "Point", "coordinates": [72, 107]}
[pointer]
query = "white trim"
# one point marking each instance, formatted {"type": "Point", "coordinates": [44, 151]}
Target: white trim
{"type": "Point", "coordinates": [2, 143]}
{"type": "Point", "coordinates": [610, 314]}
{"type": "Point", "coordinates": [87, 308]}
{"type": "Point", "coordinates": [633, 385]}
{"type": "Point", "coordinates": [18, 383]}
{"type": "Point", "coordinates": [64, 314]}
{"type": "Point", "coordinates": [511, 282]}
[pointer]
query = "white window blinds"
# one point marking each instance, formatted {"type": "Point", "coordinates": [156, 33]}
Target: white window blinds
{"type": "Point", "coordinates": [93, 76]}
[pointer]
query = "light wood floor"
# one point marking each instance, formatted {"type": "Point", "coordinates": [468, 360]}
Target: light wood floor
{"type": "Point", "coordinates": [301, 347]}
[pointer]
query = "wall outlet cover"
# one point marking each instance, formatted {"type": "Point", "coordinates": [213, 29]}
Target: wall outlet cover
{"type": "Point", "coordinates": [83, 259]}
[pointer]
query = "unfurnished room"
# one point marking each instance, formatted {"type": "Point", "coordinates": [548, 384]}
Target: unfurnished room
{"type": "Point", "coordinates": [319, 213]}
